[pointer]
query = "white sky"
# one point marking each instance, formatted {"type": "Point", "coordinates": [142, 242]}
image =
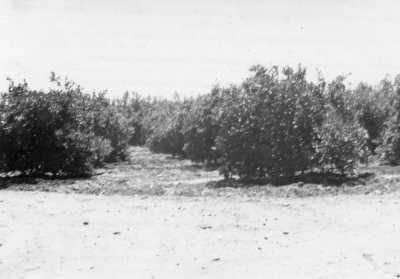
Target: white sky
{"type": "Point", "coordinates": [161, 47]}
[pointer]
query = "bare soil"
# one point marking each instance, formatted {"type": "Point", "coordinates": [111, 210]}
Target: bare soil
{"type": "Point", "coordinates": [161, 217]}
{"type": "Point", "coordinates": [52, 235]}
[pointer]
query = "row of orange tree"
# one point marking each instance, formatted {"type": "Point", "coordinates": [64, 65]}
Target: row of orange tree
{"type": "Point", "coordinates": [62, 132]}
{"type": "Point", "coordinates": [277, 124]}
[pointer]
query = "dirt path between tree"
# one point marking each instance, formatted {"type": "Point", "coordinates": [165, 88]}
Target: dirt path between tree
{"type": "Point", "coordinates": [50, 235]}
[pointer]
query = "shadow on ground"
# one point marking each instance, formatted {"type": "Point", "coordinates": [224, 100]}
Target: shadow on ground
{"type": "Point", "coordinates": [310, 178]}
{"type": "Point", "coordinates": [34, 182]}
{"type": "Point", "coordinates": [6, 182]}
{"type": "Point", "coordinates": [149, 174]}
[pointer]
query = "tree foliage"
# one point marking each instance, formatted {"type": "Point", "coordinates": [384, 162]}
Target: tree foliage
{"type": "Point", "coordinates": [276, 123]}
{"type": "Point", "coordinates": [62, 132]}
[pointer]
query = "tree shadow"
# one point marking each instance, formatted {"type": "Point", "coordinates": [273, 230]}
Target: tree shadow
{"type": "Point", "coordinates": [328, 179]}
{"type": "Point", "coordinates": [6, 182]}
{"type": "Point", "coordinates": [198, 167]}
{"type": "Point", "coordinates": [21, 179]}
{"type": "Point", "coordinates": [331, 179]}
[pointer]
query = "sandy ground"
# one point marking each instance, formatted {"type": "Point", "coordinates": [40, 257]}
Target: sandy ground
{"type": "Point", "coordinates": [53, 235]}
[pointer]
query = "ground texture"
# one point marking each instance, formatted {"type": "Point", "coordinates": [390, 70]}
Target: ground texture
{"type": "Point", "coordinates": [161, 217]}
{"type": "Point", "coordinates": [53, 235]}
{"type": "Point", "coordinates": [149, 174]}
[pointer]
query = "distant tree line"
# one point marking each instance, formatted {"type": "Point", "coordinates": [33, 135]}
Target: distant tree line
{"type": "Point", "coordinates": [274, 124]}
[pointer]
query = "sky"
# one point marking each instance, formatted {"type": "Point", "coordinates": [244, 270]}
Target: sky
{"type": "Point", "coordinates": [186, 46]}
